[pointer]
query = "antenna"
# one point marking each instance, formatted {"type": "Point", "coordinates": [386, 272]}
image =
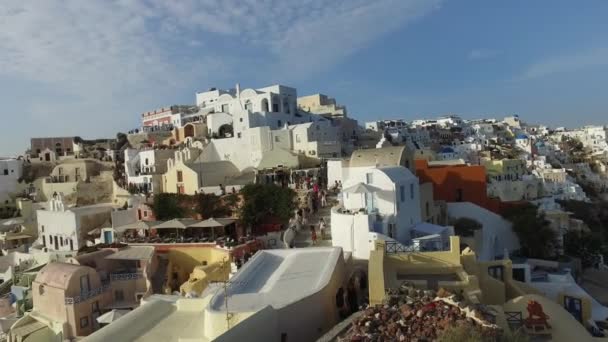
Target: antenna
{"type": "Point", "coordinates": [225, 284]}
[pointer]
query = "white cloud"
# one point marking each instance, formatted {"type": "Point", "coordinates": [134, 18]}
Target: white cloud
{"type": "Point", "coordinates": [479, 54]}
{"type": "Point", "coordinates": [107, 51]}
{"type": "Point", "coordinates": [567, 63]}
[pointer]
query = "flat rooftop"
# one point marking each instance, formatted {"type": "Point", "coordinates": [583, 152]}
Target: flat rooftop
{"type": "Point", "coordinates": [278, 278]}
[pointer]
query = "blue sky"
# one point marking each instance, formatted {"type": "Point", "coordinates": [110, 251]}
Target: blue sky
{"type": "Point", "coordinates": [88, 68]}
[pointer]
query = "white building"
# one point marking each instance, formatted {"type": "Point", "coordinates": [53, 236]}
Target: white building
{"type": "Point", "coordinates": [11, 171]}
{"type": "Point", "coordinates": [144, 168]}
{"type": "Point", "coordinates": [278, 295]}
{"type": "Point", "coordinates": [66, 229]}
{"type": "Point", "coordinates": [524, 142]}
{"type": "Point", "coordinates": [376, 203]}
{"type": "Point", "coordinates": [170, 117]}
{"type": "Point", "coordinates": [593, 137]}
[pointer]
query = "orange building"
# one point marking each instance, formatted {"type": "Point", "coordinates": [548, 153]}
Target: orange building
{"type": "Point", "coordinates": [457, 183]}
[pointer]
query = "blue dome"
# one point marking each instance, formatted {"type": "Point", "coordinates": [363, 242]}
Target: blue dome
{"type": "Point", "coordinates": [521, 136]}
{"type": "Point", "coordinates": [447, 150]}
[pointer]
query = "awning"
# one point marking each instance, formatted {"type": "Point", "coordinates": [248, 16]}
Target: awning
{"type": "Point", "coordinates": [361, 188]}
{"type": "Point", "coordinates": [176, 224]}
{"type": "Point", "coordinates": [138, 225]}
{"type": "Point", "coordinates": [111, 316]}
{"type": "Point", "coordinates": [212, 223]}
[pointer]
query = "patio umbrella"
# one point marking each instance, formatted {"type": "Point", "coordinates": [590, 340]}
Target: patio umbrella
{"type": "Point", "coordinates": [12, 222]}
{"type": "Point", "coordinates": [177, 224]}
{"type": "Point", "coordinates": [213, 223]}
{"type": "Point", "coordinates": [111, 316]}
{"type": "Point", "coordinates": [361, 188]}
{"type": "Point", "coordinates": [138, 225]}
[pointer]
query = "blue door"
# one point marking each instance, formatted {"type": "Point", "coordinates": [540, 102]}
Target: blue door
{"type": "Point", "coordinates": [107, 236]}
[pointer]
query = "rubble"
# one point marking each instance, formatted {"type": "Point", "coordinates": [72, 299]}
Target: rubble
{"type": "Point", "coordinates": [413, 315]}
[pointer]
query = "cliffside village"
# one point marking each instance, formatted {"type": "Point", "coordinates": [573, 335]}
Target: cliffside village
{"type": "Point", "coordinates": [261, 215]}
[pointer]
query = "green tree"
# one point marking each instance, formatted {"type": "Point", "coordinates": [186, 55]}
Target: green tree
{"type": "Point", "coordinates": [168, 206]}
{"type": "Point", "coordinates": [210, 205]}
{"type": "Point", "coordinates": [466, 227]}
{"type": "Point", "coordinates": [536, 237]}
{"type": "Point", "coordinates": [266, 200]}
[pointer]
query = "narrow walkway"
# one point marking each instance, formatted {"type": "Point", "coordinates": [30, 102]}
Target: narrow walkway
{"type": "Point", "coordinates": [304, 237]}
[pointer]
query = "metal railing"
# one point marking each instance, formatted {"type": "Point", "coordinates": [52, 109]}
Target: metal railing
{"type": "Point", "coordinates": [87, 295]}
{"type": "Point", "coordinates": [125, 276]}
{"type": "Point", "coordinates": [393, 247]}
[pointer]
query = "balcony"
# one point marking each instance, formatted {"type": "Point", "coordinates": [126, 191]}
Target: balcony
{"type": "Point", "coordinates": [86, 295]}
{"type": "Point", "coordinates": [126, 276]}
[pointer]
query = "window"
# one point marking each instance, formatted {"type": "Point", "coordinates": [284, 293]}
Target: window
{"type": "Point", "coordinates": [519, 274]}
{"type": "Point", "coordinates": [369, 178]}
{"type": "Point", "coordinates": [95, 306]}
{"type": "Point", "coordinates": [225, 108]}
{"type": "Point", "coordinates": [279, 122]}
{"type": "Point", "coordinates": [44, 240]}
{"type": "Point", "coordinates": [277, 138]}
{"type": "Point", "coordinates": [265, 105]}
{"type": "Point", "coordinates": [275, 107]}
{"type": "Point", "coordinates": [146, 161]}
{"type": "Point", "coordinates": [459, 196]}
{"type": "Point", "coordinates": [61, 241]}
{"type": "Point", "coordinates": [412, 191]}
{"type": "Point", "coordinates": [248, 105]}
{"type": "Point", "coordinates": [42, 227]}
{"type": "Point", "coordinates": [6, 172]}
{"type": "Point", "coordinates": [496, 272]}
{"type": "Point", "coordinates": [402, 193]}
{"type": "Point", "coordinates": [71, 245]}
{"type": "Point", "coordinates": [180, 176]}
{"type": "Point", "coordinates": [145, 213]}
{"type": "Point", "coordinates": [84, 322]}
{"type": "Point", "coordinates": [85, 284]}
{"type": "Point", "coordinates": [60, 171]}
{"type": "Point", "coordinates": [428, 211]}
{"type": "Point", "coordinates": [238, 135]}
{"type": "Point", "coordinates": [240, 119]}
{"type": "Point", "coordinates": [119, 296]}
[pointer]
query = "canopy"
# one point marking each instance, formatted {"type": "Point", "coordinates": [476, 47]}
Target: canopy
{"type": "Point", "coordinates": [138, 225]}
{"type": "Point", "coordinates": [212, 222]}
{"type": "Point", "coordinates": [175, 224]}
{"type": "Point", "coordinates": [111, 316]}
{"type": "Point", "coordinates": [361, 188]}
{"type": "Point", "coordinates": [12, 222]}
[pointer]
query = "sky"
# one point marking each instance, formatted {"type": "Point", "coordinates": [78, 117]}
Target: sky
{"type": "Point", "coordinates": [90, 68]}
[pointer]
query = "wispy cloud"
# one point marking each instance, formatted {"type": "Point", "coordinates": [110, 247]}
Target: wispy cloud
{"type": "Point", "coordinates": [122, 51]}
{"type": "Point", "coordinates": [479, 54]}
{"type": "Point", "coordinates": [566, 63]}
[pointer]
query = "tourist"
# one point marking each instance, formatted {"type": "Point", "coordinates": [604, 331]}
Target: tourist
{"type": "Point", "coordinates": [323, 199]}
{"type": "Point", "coordinates": [313, 234]}
{"type": "Point", "coordinates": [322, 226]}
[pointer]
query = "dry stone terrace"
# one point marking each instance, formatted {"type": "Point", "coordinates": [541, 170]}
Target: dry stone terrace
{"type": "Point", "coordinates": [410, 314]}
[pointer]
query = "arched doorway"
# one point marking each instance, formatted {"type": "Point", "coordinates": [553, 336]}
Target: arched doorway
{"type": "Point", "coordinates": [226, 130]}
{"type": "Point", "coordinates": [265, 105]}
{"type": "Point", "coordinates": [188, 131]}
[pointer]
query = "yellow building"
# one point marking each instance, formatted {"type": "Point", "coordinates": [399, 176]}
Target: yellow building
{"type": "Point", "coordinates": [191, 269]}
{"type": "Point", "coordinates": [505, 169]}
{"type": "Point", "coordinates": [489, 283]}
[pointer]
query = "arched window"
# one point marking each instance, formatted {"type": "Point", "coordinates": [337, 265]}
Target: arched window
{"type": "Point", "coordinates": [248, 105]}
{"type": "Point", "coordinates": [265, 105]}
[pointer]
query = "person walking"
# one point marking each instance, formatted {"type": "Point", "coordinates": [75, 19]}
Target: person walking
{"type": "Point", "coordinates": [313, 234]}
{"type": "Point", "coordinates": [323, 199]}
{"type": "Point", "coordinates": [322, 227]}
